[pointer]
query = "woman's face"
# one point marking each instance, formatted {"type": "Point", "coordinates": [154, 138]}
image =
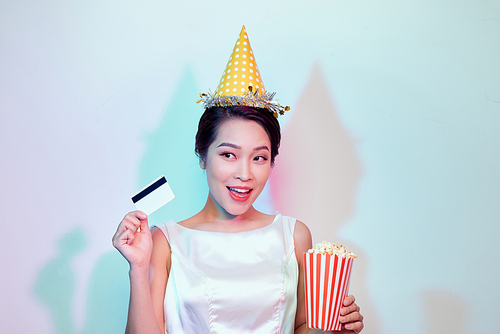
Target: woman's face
{"type": "Point", "coordinates": [238, 164]}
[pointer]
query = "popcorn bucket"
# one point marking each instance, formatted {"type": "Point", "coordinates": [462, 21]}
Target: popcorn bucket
{"type": "Point", "coordinates": [326, 279]}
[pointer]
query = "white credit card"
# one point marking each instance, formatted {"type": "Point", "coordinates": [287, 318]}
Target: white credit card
{"type": "Point", "coordinates": [153, 196]}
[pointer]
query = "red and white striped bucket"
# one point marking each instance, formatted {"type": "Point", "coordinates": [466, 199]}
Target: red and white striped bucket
{"type": "Point", "coordinates": [326, 279]}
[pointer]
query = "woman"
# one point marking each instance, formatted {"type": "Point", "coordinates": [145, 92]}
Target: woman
{"type": "Point", "coordinates": [229, 268]}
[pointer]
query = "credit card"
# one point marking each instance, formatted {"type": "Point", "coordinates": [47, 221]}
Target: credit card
{"type": "Point", "coordinates": [153, 196]}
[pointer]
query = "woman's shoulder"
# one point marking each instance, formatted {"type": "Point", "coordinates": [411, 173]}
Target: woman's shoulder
{"type": "Point", "coordinates": [159, 235]}
{"type": "Point", "coordinates": [300, 229]}
{"type": "Point", "coordinates": [302, 236]}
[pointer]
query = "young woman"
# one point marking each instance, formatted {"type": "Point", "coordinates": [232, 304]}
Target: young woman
{"type": "Point", "coordinates": [229, 268]}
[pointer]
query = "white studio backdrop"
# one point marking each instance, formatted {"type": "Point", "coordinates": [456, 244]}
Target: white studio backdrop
{"type": "Point", "coordinates": [393, 128]}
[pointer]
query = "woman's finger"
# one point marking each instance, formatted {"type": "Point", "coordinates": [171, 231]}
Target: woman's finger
{"type": "Point", "coordinates": [124, 238]}
{"type": "Point", "coordinates": [139, 219]}
{"type": "Point", "coordinates": [132, 221]}
{"type": "Point", "coordinates": [349, 309]}
{"type": "Point", "coordinates": [130, 225]}
{"type": "Point", "coordinates": [139, 214]}
{"type": "Point", "coordinates": [355, 326]}
{"type": "Point", "coordinates": [351, 318]}
{"type": "Point", "coordinates": [145, 227]}
{"type": "Point", "coordinates": [134, 218]}
{"type": "Point", "coordinates": [124, 226]}
{"type": "Point", "coordinates": [349, 300]}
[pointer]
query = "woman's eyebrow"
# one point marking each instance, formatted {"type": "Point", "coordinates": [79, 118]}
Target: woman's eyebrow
{"type": "Point", "coordinates": [230, 145]}
{"type": "Point", "coordinates": [258, 148]}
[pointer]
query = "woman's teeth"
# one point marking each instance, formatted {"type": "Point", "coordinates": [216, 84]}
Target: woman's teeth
{"type": "Point", "coordinates": [238, 190]}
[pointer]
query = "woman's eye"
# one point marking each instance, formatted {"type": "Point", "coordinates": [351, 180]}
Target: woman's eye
{"type": "Point", "coordinates": [260, 158]}
{"type": "Point", "coordinates": [227, 155]}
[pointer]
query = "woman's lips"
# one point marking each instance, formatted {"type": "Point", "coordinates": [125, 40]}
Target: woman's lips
{"type": "Point", "coordinates": [239, 194]}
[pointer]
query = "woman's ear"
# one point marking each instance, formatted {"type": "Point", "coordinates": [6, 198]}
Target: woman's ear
{"type": "Point", "coordinates": [202, 164]}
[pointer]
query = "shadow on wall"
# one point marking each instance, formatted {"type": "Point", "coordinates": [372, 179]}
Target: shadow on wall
{"type": "Point", "coordinates": [314, 179]}
{"type": "Point", "coordinates": [55, 285]}
{"type": "Point", "coordinates": [108, 295]}
{"type": "Point", "coordinates": [444, 312]}
{"type": "Point", "coordinates": [107, 298]}
{"type": "Point", "coordinates": [170, 151]}
{"type": "Point", "coordinates": [316, 175]}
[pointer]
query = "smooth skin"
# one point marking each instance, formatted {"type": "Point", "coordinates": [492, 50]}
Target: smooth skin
{"type": "Point", "coordinates": [237, 168]}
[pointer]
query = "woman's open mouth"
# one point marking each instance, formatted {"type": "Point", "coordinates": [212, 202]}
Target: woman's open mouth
{"type": "Point", "coordinates": [239, 194]}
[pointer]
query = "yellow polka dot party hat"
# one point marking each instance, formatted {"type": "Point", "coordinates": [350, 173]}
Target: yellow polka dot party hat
{"type": "Point", "coordinates": [241, 82]}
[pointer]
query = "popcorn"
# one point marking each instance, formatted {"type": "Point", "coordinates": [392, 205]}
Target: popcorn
{"type": "Point", "coordinates": [326, 247]}
{"type": "Point", "coordinates": [327, 273]}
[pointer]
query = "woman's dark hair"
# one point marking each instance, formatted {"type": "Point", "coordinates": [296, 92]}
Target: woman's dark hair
{"type": "Point", "coordinates": [213, 117]}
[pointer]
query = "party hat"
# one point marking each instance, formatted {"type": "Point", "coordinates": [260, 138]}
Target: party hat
{"type": "Point", "coordinates": [241, 70]}
{"type": "Point", "coordinates": [241, 82]}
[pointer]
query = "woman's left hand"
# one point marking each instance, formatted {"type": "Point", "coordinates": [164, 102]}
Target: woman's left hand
{"type": "Point", "coordinates": [350, 317]}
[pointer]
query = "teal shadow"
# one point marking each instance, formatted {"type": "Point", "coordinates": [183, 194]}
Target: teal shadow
{"type": "Point", "coordinates": [108, 295]}
{"type": "Point", "coordinates": [170, 152]}
{"type": "Point", "coordinates": [108, 291]}
{"type": "Point", "coordinates": [55, 285]}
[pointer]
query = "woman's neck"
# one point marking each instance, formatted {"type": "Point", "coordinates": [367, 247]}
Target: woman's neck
{"type": "Point", "coordinates": [213, 211]}
{"type": "Point", "coordinates": [214, 218]}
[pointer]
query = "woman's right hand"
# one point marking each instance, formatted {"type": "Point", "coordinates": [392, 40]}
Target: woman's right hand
{"type": "Point", "coordinates": [133, 239]}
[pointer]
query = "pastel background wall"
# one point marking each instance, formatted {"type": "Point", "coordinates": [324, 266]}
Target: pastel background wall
{"type": "Point", "coordinates": [391, 148]}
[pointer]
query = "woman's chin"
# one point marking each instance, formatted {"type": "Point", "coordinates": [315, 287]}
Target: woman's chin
{"type": "Point", "coordinates": [235, 207]}
{"type": "Point", "coordinates": [238, 210]}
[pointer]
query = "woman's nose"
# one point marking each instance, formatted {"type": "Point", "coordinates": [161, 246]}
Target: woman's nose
{"type": "Point", "coordinates": [243, 171]}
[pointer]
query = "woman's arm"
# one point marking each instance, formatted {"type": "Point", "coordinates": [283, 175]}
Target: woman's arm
{"type": "Point", "coordinates": [160, 268]}
{"type": "Point", "coordinates": [134, 241]}
{"type": "Point", "coordinates": [141, 313]}
{"type": "Point", "coordinates": [303, 242]}
{"type": "Point", "coordinates": [350, 315]}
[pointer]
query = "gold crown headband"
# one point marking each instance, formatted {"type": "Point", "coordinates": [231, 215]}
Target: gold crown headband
{"type": "Point", "coordinates": [241, 83]}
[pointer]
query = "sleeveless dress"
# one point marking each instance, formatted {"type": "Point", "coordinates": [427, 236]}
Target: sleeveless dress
{"type": "Point", "coordinates": [221, 283]}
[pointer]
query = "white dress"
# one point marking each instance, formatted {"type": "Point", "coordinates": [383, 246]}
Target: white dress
{"type": "Point", "coordinates": [243, 282]}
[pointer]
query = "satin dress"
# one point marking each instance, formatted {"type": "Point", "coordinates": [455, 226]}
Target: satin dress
{"type": "Point", "coordinates": [221, 283]}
